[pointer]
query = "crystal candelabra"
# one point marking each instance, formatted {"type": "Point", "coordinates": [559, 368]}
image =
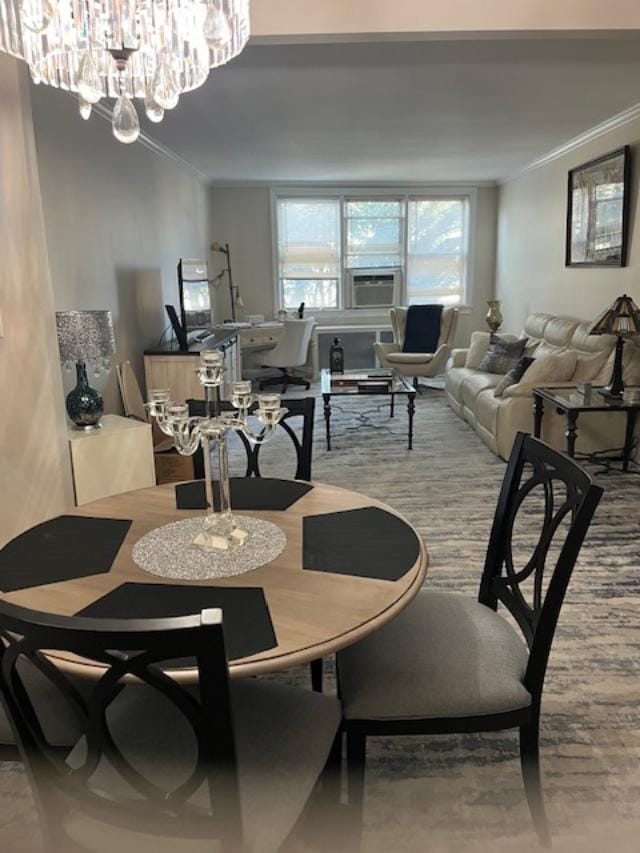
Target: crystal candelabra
{"type": "Point", "coordinates": [221, 530]}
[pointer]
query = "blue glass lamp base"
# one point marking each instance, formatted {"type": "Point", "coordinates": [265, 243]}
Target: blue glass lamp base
{"type": "Point", "coordinates": [85, 406]}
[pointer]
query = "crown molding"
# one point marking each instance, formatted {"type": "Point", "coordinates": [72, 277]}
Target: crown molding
{"type": "Point", "coordinates": [400, 185]}
{"type": "Point", "coordinates": [616, 121]}
{"type": "Point", "coordinates": [153, 145]}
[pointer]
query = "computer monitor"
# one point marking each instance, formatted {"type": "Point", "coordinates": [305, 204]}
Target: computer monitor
{"type": "Point", "coordinates": [195, 296]}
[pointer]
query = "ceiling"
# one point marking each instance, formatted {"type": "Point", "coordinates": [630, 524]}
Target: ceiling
{"type": "Point", "coordinates": [399, 111]}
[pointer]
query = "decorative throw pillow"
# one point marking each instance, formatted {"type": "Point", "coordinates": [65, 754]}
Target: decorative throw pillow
{"type": "Point", "coordinates": [502, 355]}
{"type": "Point", "coordinates": [558, 367]}
{"type": "Point", "coordinates": [513, 376]}
{"type": "Point", "coordinates": [477, 349]}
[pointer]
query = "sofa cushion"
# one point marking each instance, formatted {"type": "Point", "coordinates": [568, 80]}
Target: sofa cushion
{"type": "Point", "coordinates": [477, 383]}
{"type": "Point", "coordinates": [547, 370]}
{"type": "Point", "coordinates": [502, 355]}
{"type": "Point", "coordinates": [588, 366]}
{"type": "Point", "coordinates": [559, 331]}
{"type": "Point", "coordinates": [514, 375]}
{"type": "Point", "coordinates": [455, 379]}
{"type": "Point", "coordinates": [486, 409]}
{"type": "Point", "coordinates": [477, 349]}
{"type": "Point", "coordinates": [535, 325]}
{"type": "Point", "coordinates": [585, 343]}
{"type": "Point", "coordinates": [445, 655]}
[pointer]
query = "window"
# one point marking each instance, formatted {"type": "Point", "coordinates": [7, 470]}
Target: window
{"type": "Point", "coordinates": [319, 239]}
{"type": "Point", "coordinates": [309, 252]}
{"type": "Point", "coordinates": [437, 250]}
{"type": "Point", "coordinates": [374, 232]}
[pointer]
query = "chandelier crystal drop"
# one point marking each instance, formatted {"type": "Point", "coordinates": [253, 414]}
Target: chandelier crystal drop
{"type": "Point", "coordinates": [154, 50]}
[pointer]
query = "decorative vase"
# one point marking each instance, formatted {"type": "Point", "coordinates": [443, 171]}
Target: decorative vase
{"type": "Point", "coordinates": [494, 315]}
{"type": "Point", "coordinates": [84, 403]}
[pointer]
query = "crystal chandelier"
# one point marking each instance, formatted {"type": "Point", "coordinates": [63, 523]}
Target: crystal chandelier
{"type": "Point", "coordinates": [124, 49]}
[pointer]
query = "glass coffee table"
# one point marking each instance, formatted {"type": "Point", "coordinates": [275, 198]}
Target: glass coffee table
{"type": "Point", "coordinates": [354, 383]}
{"type": "Point", "coordinates": [572, 401]}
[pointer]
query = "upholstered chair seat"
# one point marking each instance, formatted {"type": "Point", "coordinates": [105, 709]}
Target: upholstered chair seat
{"type": "Point", "coordinates": [278, 761]}
{"type": "Point", "coordinates": [413, 364]}
{"type": "Point", "coordinates": [445, 656]}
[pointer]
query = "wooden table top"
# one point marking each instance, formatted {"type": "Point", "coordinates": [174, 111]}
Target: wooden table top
{"type": "Point", "coordinates": [313, 613]}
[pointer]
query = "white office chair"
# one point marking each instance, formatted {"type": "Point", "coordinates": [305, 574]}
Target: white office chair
{"type": "Point", "coordinates": [292, 350]}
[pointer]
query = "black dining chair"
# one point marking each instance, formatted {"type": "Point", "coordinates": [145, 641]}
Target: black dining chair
{"type": "Point", "coordinates": [154, 762]}
{"type": "Point", "coordinates": [450, 664]}
{"type": "Point", "coordinates": [297, 407]}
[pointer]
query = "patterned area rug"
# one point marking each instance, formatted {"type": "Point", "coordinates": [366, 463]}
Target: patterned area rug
{"type": "Point", "coordinates": [464, 793]}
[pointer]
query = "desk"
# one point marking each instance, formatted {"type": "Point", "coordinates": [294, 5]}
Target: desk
{"type": "Point", "coordinates": [168, 367]}
{"type": "Point", "coordinates": [314, 613]}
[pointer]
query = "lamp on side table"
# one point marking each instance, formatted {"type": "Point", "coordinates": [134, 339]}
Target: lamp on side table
{"type": "Point", "coordinates": [622, 319]}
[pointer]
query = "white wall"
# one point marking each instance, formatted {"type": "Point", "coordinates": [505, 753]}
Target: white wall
{"type": "Point", "coordinates": [35, 479]}
{"type": "Point", "coordinates": [118, 217]}
{"type": "Point", "coordinates": [531, 275]}
{"type": "Point", "coordinates": [241, 216]}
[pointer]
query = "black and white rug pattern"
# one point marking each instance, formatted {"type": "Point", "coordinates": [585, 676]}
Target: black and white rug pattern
{"type": "Point", "coordinates": [464, 793]}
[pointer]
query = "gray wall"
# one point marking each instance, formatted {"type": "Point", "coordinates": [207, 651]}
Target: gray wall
{"type": "Point", "coordinates": [35, 476]}
{"type": "Point", "coordinates": [241, 216]}
{"type": "Point", "coordinates": [118, 217]}
{"type": "Point", "coordinates": [531, 275]}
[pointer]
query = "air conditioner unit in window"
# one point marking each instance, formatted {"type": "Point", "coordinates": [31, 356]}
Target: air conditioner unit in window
{"type": "Point", "coordinates": [375, 288]}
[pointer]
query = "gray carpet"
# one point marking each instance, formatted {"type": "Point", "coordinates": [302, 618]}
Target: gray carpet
{"type": "Point", "coordinates": [464, 793]}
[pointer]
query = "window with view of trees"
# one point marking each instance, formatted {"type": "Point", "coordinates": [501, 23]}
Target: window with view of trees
{"type": "Point", "coordinates": [320, 239]}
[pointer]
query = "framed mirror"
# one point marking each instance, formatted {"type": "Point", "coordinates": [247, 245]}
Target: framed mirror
{"type": "Point", "coordinates": [598, 211]}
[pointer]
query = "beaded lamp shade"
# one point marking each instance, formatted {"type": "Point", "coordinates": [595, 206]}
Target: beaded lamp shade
{"type": "Point", "coordinates": [85, 335]}
{"type": "Point", "coordinates": [620, 318]}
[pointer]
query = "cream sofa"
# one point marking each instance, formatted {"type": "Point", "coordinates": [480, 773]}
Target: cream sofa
{"type": "Point", "coordinates": [470, 392]}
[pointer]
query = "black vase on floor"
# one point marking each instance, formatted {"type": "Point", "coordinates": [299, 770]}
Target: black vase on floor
{"type": "Point", "coordinates": [84, 403]}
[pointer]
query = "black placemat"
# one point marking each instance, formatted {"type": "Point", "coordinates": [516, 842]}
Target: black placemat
{"type": "Point", "coordinates": [247, 622]}
{"type": "Point", "coordinates": [64, 548]}
{"type": "Point", "coordinates": [367, 542]}
{"type": "Point", "coordinates": [246, 493]}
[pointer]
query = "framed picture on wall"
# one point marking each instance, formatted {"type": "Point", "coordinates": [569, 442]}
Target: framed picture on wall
{"type": "Point", "coordinates": [598, 211]}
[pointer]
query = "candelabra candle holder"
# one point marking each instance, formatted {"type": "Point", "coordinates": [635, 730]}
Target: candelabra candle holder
{"type": "Point", "coordinates": [221, 530]}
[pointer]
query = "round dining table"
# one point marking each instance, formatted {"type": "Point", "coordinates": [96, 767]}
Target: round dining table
{"type": "Point", "coordinates": [313, 613]}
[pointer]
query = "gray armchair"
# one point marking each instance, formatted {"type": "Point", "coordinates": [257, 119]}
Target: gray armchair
{"type": "Point", "coordinates": [425, 365]}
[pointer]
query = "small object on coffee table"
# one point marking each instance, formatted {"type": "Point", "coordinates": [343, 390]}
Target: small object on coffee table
{"type": "Point", "coordinates": [366, 382]}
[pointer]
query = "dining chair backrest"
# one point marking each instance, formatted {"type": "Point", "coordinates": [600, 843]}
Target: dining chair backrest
{"type": "Point", "coordinates": [528, 567]}
{"type": "Point", "coordinates": [292, 349]}
{"type": "Point", "coordinates": [303, 445]}
{"type": "Point", "coordinates": [64, 782]}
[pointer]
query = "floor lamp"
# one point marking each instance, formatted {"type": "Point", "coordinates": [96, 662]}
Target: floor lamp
{"type": "Point", "coordinates": [234, 292]}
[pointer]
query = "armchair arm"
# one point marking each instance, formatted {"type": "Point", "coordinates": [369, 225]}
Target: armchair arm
{"type": "Point", "coordinates": [382, 350]}
{"type": "Point", "coordinates": [458, 357]}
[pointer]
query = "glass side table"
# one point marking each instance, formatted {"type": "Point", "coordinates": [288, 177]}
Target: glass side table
{"type": "Point", "coordinates": [571, 402]}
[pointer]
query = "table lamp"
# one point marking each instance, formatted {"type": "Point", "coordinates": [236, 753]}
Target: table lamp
{"type": "Point", "coordinates": [85, 336]}
{"type": "Point", "coordinates": [622, 319]}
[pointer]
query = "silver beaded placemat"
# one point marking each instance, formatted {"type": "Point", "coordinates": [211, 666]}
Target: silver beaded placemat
{"type": "Point", "coordinates": [169, 551]}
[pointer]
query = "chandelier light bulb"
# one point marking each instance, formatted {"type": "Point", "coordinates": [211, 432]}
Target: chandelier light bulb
{"type": "Point", "coordinates": [84, 107]}
{"type": "Point", "coordinates": [36, 15]}
{"type": "Point", "coordinates": [217, 29]}
{"type": "Point", "coordinates": [89, 86]}
{"type": "Point", "coordinates": [153, 111]}
{"type": "Point", "coordinates": [164, 88]}
{"type": "Point", "coordinates": [126, 126]}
